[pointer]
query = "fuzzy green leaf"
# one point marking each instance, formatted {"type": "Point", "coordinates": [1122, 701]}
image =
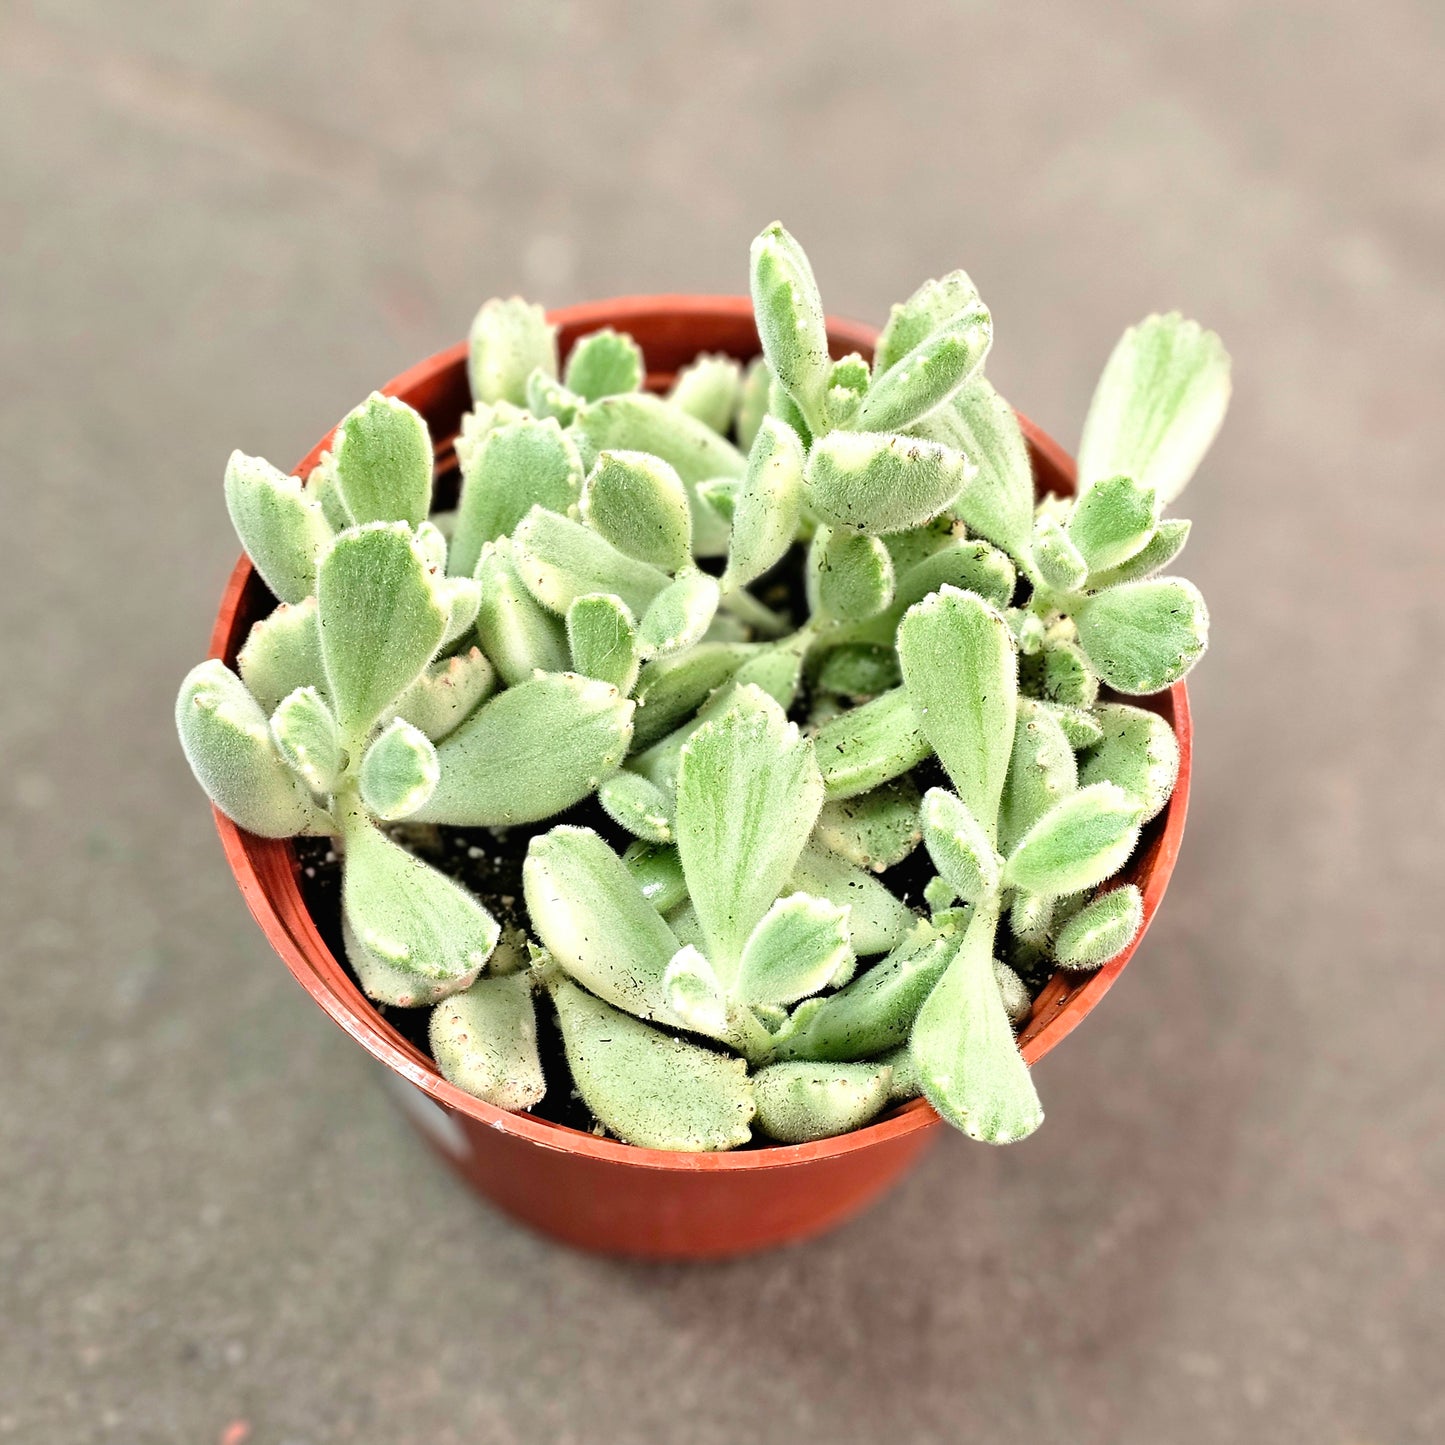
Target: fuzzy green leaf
{"type": "Point", "coordinates": [604, 363]}
{"type": "Point", "coordinates": [380, 619]}
{"type": "Point", "coordinates": [798, 1102]}
{"type": "Point", "coordinates": [1165, 545]}
{"type": "Point", "coordinates": [321, 483]}
{"type": "Point", "coordinates": [963, 1046]}
{"type": "Point", "coordinates": [407, 913]}
{"type": "Point", "coordinates": [876, 483]}
{"type": "Point", "coordinates": [930, 373]}
{"type": "Point", "coordinates": [658, 872]}
{"type": "Point", "coordinates": [602, 638]}
{"type": "Point", "coordinates": [531, 751]}
{"type": "Point", "coordinates": [638, 503]}
{"type": "Point", "coordinates": [670, 689]}
{"type": "Point", "coordinates": [937, 305]}
{"type": "Point", "coordinates": [484, 1041]}
{"type": "Point", "coordinates": [752, 404]}
{"type": "Point", "coordinates": [1041, 771]}
{"type": "Point", "coordinates": [800, 945]}
{"type": "Point", "coordinates": [789, 314]}
{"type": "Point", "coordinates": [508, 340]}
{"type": "Point", "coordinates": [1113, 521]}
{"type": "Point", "coordinates": [399, 772]}
{"type": "Point", "coordinates": [282, 527]}
{"type": "Point", "coordinates": [640, 806]}
{"type": "Point", "coordinates": [394, 984]}
{"type": "Point", "coordinates": [1059, 562]}
{"type": "Point", "coordinates": [875, 830]}
{"type": "Point", "coordinates": [877, 921]}
{"type": "Point", "coordinates": [1158, 406]}
{"type": "Point", "coordinates": [447, 692]}
{"type": "Point", "coordinates": [707, 388]}
{"type": "Point", "coordinates": [850, 576]}
{"type": "Point", "coordinates": [1017, 1001]}
{"type": "Point", "coordinates": [305, 734]}
{"type": "Point", "coordinates": [650, 1089]}
{"type": "Point", "coordinates": [383, 462]}
{"type": "Point", "coordinates": [1079, 842]}
{"type": "Point", "coordinates": [876, 1011]}
{"type": "Point", "coordinates": [1060, 672]}
{"type": "Point", "coordinates": [547, 397]}
{"type": "Point", "coordinates": [228, 745]}
{"type": "Point", "coordinates": [560, 560]}
{"type": "Point", "coordinates": [748, 794]}
{"type": "Point", "coordinates": [462, 598]}
{"type": "Point", "coordinates": [524, 464]}
{"type": "Point", "coordinates": [1100, 931]}
{"type": "Point", "coordinates": [960, 846]}
{"type": "Point", "coordinates": [960, 668]}
{"type": "Point", "coordinates": [858, 670]}
{"type": "Point", "coordinates": [1144, 636]}
{"type": "Point", "coordinates": [769, 503]}
{"type": "Point", "coordinates": [971, 566]}
{"type": "Point", "coordinates": [283, 652]}
{"type": "Point", "coordinates": [1079, 726]}
{"type": "Point", "coordinates": [1138, 752]}
{"type": "Point", "coordinates": [519, 635]}
{"type": "Point", "coordinates": [694, 995]}
{"type": "Point", "coordinates": [679, 614]}
{"type": "Point", "coordinates": [870, 745]}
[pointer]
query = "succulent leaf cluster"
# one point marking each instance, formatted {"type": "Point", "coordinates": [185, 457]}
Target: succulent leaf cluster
{"type": "Point", "coordinates": [782, 625]}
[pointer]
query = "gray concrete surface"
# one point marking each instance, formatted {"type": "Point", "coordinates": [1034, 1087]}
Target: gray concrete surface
{"type": "Point", "coordinates": [222, 224]}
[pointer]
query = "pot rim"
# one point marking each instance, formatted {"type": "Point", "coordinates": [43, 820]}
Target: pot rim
{"type": "Point", "coordinates": [1059, 1008]}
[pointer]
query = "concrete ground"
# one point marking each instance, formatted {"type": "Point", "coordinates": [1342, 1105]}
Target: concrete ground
{"type": "Point", "coordinates": [223, 224]}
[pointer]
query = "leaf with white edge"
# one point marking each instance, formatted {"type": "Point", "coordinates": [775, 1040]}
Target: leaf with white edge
{"type": "Point", "coordinates": [858, 670]}
{"type": "Point", "coordinates": [547, 397]}
{"type": "Point", "coordinates": [1138, 751]}
{"type": "Point", "coordinates": [447, 692]}
{"type": "Point", "coordinates": [1113, 521]}
{"type": "Point", "coordinates": [462, 598]}
{"type": "Point", "coordinates": [777, 670]}
{"type": "Point", "coordinates": [1100, 931]}
{"type": "Point", "coordinates": [905, 1084]}
{"type": "Point", "coordinates": [850, 576]}
{"type": "Point", "coordinates": [769, 503]}
{"type": "Point", "coordinates": [321, 483]}
{"type": "Point", "coordinates": [935, 306]}
{"type": "Point", "coordinates": [997, 500]}
{"type": "Point", "coordinates": [1060, 564]}
{"type": "Point", "coordinates": [431, 541]}
{"type": "Point", "coordinates": [1060, 672]}
{"type": "Point", "coordinates": [383, 462]}
{"type": "Point", "coordinates": [939, 895]}
{"type": "Point", "coordinates": [963, 1046]}
{"type": "Point", "coordinates": [960, 847]}
{"type": "Point", "coordinates": [1079, 842]}
{"type": "Point", "coordinates": [524, 464]}
{"type": "Point", "coordinates": [930, 373]}
{"type": "Point", "coordinates": [1164, 546]}
{"type": "Point", "coordinates": [798, 1102]}
{"type": "Point", "coordinates": [752, 404]}
{"type": "Point", "coordinates": [679, 614]}
{"type": "Point", "coordinates": [484, 1041]}
{"type": "Point", "coordinates": [1031, 916]}
{"type": "Point", "coordinates": [877, 921]}
{"type": "Point", "coordinates": [782, 406]}
{"type": "Point", "coordinates": [789, 314]}
{"type": "Point", "coordinates": [694, 995]}
{"type": "Point", "coordinates": [748, 794]}
{"type": "Point", "coordinates": [960, 669]}
{"type": "Point", "coordinates": [407, 913]}
{"type": "Point", "coordinates": [876, 483]}
{"type": "Point", "coordinates": [604, 363]}
{"type": "Point", "coordinates": [589, 912]}
{"type": "Point", "coordinates": [876, 1010]}
{"type": "Point", "coordinates": [650, 1089]}
{"type": "Point", "coordinates": [640, 806]}
{"type": "Point", "coordinates": [707, 388]}
{"type": "Point", "coordinates": [560, 560]}
{"type": "Point", "coordinates": [1078, 725]}
{"type": "Point", "coordinates": [389, 983]}
{"type": "Point", "coordinates": [531, 751]}
{"type": "Point", "coordinates": [801, 945]}
{"type": "Point", "coordinates": [602, 638]}
{"type": "Point", "coordinates": [283, 652]}
{"type": "Point", "coordinates": [671, 688]}
{"type": "Point", "coordinates": [399, 771]}
{"type": "Point", "coordinates": [870, 745]}
{"type": "Point", "coordinates": [508, 340]}
{"type": "Point", "coordinates": [643, 423]}
{"type": "Point", "coordinates": [639, 504]}
{"type": "Point", "coordinates": [381, 621]}
{"type": "Point", "coordinates": [1158, 406]}
{"type": "Point", "coordinates": [228, 745]}
{"type": "Point", "coordinates": [1041, 771]}
{"type": "Point", "coordinates": [850, 373]}
{"type": "Point", "coordinates": [519, 635]}
{"type": "Point", "coordinates": [720, 495]}
{"type": "Point", "coordinates": [1144, 636]}
{"type": "Point", "coordinates": [1017, 1001]}
{"type": "Point", "coordinates": [658, 872]}
{"type": "Point", "coordinates": [305, 734]}
{"type": "Point", "coordinates": [971, 566]}
{"type": "Point", "coordinates": [875, 830]}
{"type": "Point", "coordinates": [282, 527]}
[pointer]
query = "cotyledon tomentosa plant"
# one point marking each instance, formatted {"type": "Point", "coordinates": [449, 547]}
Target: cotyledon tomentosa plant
{"type": "Point", "coordinates": [582, 622]}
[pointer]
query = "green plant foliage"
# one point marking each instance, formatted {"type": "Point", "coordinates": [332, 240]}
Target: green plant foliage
{"type": "Point", "coordinates": [799, 1102]}
{"type": "Point", "coordinates": [382, 462]}
{"type": "Point", "coordinates": [484, 1041]}
{"type": "Point", "coordinates": [604, 363]}
{"type": "Point", "coordinates": [509, 340]}
{"type": "Point", "coordinates": [283, 529]}
{"type": "Point", "coordinates": [879, 483]}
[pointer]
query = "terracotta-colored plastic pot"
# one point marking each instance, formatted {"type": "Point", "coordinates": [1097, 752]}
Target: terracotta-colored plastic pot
{"type": "Point", "coordinates": [597, 1193]}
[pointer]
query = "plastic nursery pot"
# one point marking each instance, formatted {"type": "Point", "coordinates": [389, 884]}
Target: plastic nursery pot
{"type": "Point", "coordinates": [598, 1193]}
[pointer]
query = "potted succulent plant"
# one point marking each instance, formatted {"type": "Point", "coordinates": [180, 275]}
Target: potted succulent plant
{"type": "Point", "coordinates": [682, 756]}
